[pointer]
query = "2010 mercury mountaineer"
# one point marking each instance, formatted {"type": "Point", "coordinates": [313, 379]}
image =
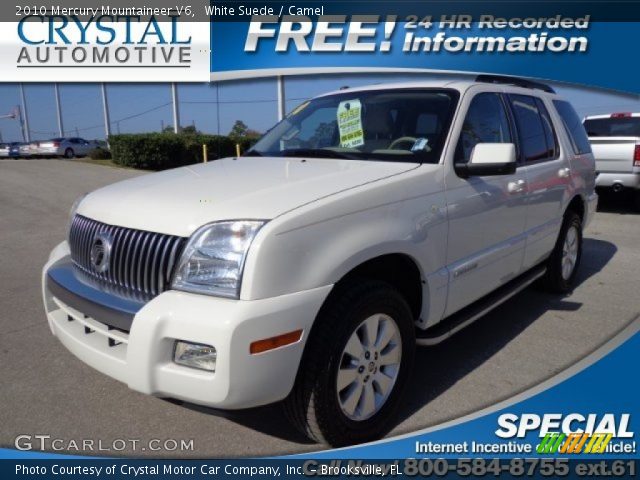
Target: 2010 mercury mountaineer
{"type": "Point", "coordinates": [367, 222]}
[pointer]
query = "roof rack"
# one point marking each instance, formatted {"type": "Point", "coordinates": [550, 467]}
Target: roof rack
{"type": "Point", "coordinates": [516, 81]}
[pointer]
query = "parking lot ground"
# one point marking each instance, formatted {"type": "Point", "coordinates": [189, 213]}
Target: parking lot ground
{"type": "Point", "coordinates": [46, 390]}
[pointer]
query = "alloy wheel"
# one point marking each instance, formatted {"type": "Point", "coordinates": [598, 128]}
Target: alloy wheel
{"type": "Point", "coordinates": [369, 367]}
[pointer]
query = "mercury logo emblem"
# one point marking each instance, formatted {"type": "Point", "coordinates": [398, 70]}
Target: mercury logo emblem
{"type": "Point", "coordinates": [101, 251]}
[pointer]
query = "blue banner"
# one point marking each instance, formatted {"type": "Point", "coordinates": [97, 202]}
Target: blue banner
{"type": "Point", "coordinates": [584, 52]}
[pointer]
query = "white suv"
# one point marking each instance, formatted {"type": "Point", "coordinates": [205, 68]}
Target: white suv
{"type": "Point", "coordinates": [367, 222]}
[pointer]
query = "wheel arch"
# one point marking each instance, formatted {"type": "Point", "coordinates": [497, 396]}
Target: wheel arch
{"type": "Point", "coordinates": [386, 268]}
{"type": "Point", "coordinates": [399, 270]}
{"type": "Point", "coordinates": [577, 205]}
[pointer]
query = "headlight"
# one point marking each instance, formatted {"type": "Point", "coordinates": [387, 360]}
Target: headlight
{"type": "Point", "coordinates": [213, 260]}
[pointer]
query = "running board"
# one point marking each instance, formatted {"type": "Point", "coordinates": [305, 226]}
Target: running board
{"type": "Point", "coordinates": [469, 314]}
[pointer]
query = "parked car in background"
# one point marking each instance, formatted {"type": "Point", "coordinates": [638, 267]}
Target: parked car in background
{"type": "Point", "coordinates": [68, 147]}
{"type": "Point", "coordinates": [99, 144]}
{"type": "Point", "coordinates": [14, 149]}
{"type": "Point", "coordinates": [5, 148]}
{"type": "Point", "coordinates": [28, 150]}
{"type": "Point", "coordinates": [34, 149]}
{"type": "Point", "coordinates": [368, 221]}
{"type": "Point", "coordinates": [615, 140]}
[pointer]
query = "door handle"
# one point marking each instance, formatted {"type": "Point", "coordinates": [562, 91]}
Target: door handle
{"type": "Point", "coordinates": [516, 187]}
{"type": "Point", "coordinates": [564, 172]}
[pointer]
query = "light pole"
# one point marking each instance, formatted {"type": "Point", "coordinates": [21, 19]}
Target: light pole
{"type": "Point", "coordinates": [56, 89]}
{"type": "Point", "coordinates": [176, 109]}
{"type": "Point", "coordinates": [25, 117]}
{"type": "Point", "coordinates": [105, 109]}
{"type": "Point", "coordinates": [281, 98]}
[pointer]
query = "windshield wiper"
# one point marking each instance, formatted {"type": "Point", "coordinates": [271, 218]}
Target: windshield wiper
{"type": "Point", "coordinates": [316, 153]}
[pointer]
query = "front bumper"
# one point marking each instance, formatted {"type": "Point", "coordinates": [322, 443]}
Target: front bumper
{"type": "Point", "coordinates": [142, 357]}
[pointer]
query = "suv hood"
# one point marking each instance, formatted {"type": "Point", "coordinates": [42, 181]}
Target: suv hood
{"type": "Point", "coordinates": [179, 201]}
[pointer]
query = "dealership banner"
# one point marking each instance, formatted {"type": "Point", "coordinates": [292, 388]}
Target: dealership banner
{"type": "Point", "coordinates": [590, 45]}
{"type": "Point", "coordinates": [566, 49]}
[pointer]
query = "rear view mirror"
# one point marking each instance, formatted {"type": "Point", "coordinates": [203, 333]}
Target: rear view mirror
{"type": "Point", "coordinates": [489, 159]}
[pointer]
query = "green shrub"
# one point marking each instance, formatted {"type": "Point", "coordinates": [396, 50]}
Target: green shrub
{"type": "Point", "coordinates": [218, 146]}
{"type": "Point", "coordinates": [160, 151]}
{"type": "Point", "coordinates": [247, 142]}
{"type": "Point", "coordinates": [100, 154]}
{"type": "Point", "coordinates": [152, 151]}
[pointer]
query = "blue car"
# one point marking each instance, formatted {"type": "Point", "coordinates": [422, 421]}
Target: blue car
{"type": "Point", "coordinates": [14, 149]}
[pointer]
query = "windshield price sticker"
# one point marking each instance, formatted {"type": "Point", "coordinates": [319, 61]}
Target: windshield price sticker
{"type": "Point", "coordinates": [350, 123]}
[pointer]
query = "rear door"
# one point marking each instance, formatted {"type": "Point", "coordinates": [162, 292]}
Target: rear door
{"type": "Point", "coordinates": [547, 171]}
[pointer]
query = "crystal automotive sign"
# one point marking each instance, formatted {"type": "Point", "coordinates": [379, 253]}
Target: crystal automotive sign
{"type": "Point", "coordinates": [130, 45]}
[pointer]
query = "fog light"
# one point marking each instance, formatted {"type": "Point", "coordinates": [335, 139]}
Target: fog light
{"type": "Point", "coordinates": [195, 355]}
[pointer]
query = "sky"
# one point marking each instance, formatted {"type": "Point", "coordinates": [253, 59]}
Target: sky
{"type": "Point", "coordinates": [147, 107]}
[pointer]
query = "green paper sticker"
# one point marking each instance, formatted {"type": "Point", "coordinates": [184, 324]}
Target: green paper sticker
{"type": "Point", "coordinates": [350, 124]}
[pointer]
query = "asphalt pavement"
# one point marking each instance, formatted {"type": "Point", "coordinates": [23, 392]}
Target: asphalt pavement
{"type": "Point", "coordinates": [45, 390]}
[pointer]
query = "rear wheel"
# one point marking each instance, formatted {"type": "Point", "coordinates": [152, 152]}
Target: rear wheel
{"type": "Point", "coordinates": [68, 153]}
{"type": "Point", "coordinates": [355, 366]}
{"type": "Point", "coordinates": [636, 200]}
{"type": "Point", "coordinates": [562, 266]}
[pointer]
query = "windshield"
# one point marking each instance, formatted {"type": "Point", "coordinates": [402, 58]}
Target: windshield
{"type": "Point", "coordinates": [388, 125]}
{"type": "Point", "coordinates": [613, 127]}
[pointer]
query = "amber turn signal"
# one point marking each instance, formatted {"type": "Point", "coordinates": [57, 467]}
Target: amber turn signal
{"type": "Point", "coordinates": [267, 344]}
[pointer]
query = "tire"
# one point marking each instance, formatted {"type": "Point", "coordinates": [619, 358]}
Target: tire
{"type": "Point", "coordinates": [636, 200]}
{"type": "Point", "coordinates": [560, 277]}
{"type": "Point", "coordinates": [317, 406]}
{"type": "Point", "coordinates": [68, 153]}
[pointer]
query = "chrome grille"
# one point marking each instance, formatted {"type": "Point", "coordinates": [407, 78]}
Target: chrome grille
{"type": "Point", "coordinates": [140, 262]}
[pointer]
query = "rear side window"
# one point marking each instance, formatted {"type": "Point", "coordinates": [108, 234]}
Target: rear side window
{"type": "Point", "coordinates": [613, 127]}
{"type": "Point", "coordinates": [573, 126]}
{"type": "Point", "coordinates": [535, 130]}
{"type": "Point", "coordinates": [486, 122]}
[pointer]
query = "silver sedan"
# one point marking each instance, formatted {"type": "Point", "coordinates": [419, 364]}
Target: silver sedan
{"type": "Point", "coordinates": [68, 147]}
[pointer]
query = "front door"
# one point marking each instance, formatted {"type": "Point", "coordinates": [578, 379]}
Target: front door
{"type": "Point", "coordinates": [487, 215]}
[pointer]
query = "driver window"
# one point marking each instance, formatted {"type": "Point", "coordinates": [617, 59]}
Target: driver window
{"type": "Point", "coordinates": [486, 122]}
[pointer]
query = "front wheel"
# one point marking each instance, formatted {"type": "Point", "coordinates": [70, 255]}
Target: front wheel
{"type": "Point", "coordinates": [355, 366]}
{"type": "Point", "coordinates": [68, 153]}
{"type": "Point", "coordinates": [562, 266]}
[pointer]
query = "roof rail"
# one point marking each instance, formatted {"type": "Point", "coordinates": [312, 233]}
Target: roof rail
{"type": "Point", "coordinates": [516, 81]}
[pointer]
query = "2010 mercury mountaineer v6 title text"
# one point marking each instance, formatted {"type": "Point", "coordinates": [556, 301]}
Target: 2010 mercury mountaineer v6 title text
{"type": "Point", "coordinates": [367, 222]}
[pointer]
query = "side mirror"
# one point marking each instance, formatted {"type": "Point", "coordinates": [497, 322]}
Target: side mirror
{"type": "Point", "coordinates": [489, 159]}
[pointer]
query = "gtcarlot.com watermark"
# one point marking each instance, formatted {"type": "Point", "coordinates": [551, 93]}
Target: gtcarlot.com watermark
{"type": "Point", "coordinates": [55, 444]}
